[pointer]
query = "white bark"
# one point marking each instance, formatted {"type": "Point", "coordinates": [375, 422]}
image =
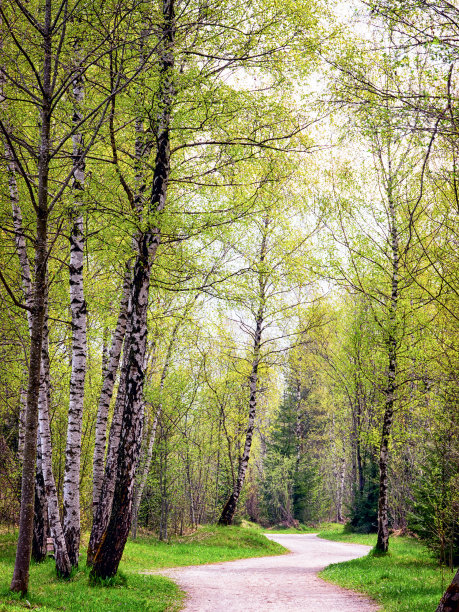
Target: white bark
{"type": "Point", "coordinates": [79, 343]}
{"type": "Point", "coordinates": [22, 416]}
{"type": "Point", "coordinates": [60, 550]}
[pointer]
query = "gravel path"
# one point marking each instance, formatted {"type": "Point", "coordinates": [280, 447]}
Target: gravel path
{"type": "Point", "coordinates": [282, 583]}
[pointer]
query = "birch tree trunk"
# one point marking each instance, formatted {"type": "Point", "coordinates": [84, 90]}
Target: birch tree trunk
{"type": "Point", "coordinates": [40, 521]}
{"type": "Point", "coordinates": [108, 554]}
{"type": "Point", "coordinates": [79, 341]}
{"type": "Point", "coordinates": [104, 505]}
{"type": "Point", "coordinates": [382, 544]}
{"type": "Point", "coordinates": [20, 578]}
{"type": "Point", "coordinates": [229, 509]}
{"type": "Point", "coordinates": [63, 565]}
{"type": "Point", "coordinates": [107, 391]}
{"type": "Point", "coordinates": [103, 480]}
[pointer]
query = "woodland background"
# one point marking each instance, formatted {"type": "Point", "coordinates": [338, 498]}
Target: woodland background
{"type": "Point", "coordinates": [229, 239]}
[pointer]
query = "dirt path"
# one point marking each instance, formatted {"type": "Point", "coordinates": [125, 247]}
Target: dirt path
{"type": "Point", "coordinates": [284, 583]}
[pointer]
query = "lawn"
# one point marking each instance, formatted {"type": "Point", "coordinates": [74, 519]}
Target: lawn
{"type": "Point", "coordinates": [132, 590]}
{"type": "Point", "coordinates": [406, 579]}
{"type": "Point", "coordinates": [279, 529]}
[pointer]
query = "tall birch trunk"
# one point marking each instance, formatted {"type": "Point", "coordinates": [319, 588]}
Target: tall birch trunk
{"type": "Point", "coordinates": [79, 341]}
{"type": "Point", "coordinates": [382, 544]}
{"type": "Point", "coordinates": [229, 509]}
{"type": "Point", "coordinates": [108, 554]}
{"type": "Point", "coordinates": [104, 479]}
{"type": "Point", "coordinates": [298, 427]}
{"type": "Point", "coordinates": [40, 523]}
{"type": "Point", "coordinates": [20, 578]}
{"type": "Point", "coordinates": [63, 565]}
{"type": "Point", "coordinates": [107, 392]}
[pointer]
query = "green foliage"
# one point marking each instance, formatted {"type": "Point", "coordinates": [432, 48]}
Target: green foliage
{"type": "Point", "coordinates": [435, 516]}
{"type": "Point", "coordinates": [364, 510]}
{"type": "Point", "coordinates": [276, 488]}
{"type": "Point", "coordinates": [308, 491]}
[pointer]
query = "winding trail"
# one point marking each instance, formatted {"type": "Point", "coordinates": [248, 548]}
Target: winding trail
{"type": "Point", "coordinates": [282, 583]}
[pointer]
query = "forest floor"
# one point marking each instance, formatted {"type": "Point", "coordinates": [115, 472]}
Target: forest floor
{"type": "Point", "coordinates": [405, 580]}
{"type": "Point", "coordinates": [287, 582]}
{"type": "Point", "coordinates": [132, 590]}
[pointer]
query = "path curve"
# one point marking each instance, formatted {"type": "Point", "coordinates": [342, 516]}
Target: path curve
{"type": "Point", "coordinates": [282, 583]}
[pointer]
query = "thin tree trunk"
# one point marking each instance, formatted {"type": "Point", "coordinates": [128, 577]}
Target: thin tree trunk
{"type": "Point", "coordinates": [63, 565]}
{"type": "Point", "coordinates": [79, 340]}
{"type": "Point", "coordinates": [143, 479]}
{"type": "Point", "coordinates": [20, 578]}
{"type": "Point", "coordinates": [227, 515]}
{"type": "Point", "coordinates": [107, 391]}
{"type": "Point", "coordinates": [104, 506]}
{"type": "Point", "coordinates": [21, 425]}
{"type": "Point", "coordinates": [298, 427]}
{"type": "Point", "coordinates": [382, 544]}
{"type": "Point", "coordinates": [108, 554]}
{"type": "Point", "coordinates": [359, 445]}
{"type": "Point", "coordinates": [229, 510]}
{"type": "Point", "coordinates": [40, 522]}
{"type": "Point", "coordinates": [339, 504]}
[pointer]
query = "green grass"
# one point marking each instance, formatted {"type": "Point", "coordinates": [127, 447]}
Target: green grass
{"type": "Point", "coordinates": [406, 579]}
{"type": "Point", "coordinates": [133, 590]}
{"type": "Point", "coordinates": [279, 529]}
{"type": "Point", "coordinates": [210, 544]}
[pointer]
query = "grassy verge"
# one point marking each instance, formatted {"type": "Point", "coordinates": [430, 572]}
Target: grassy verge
{"type": "Point", "coordinates": [131, 591]}
{"type": "Point", "coordinates": [300, 529]}
{"type": "Point", "coordinates": [406, 579]}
